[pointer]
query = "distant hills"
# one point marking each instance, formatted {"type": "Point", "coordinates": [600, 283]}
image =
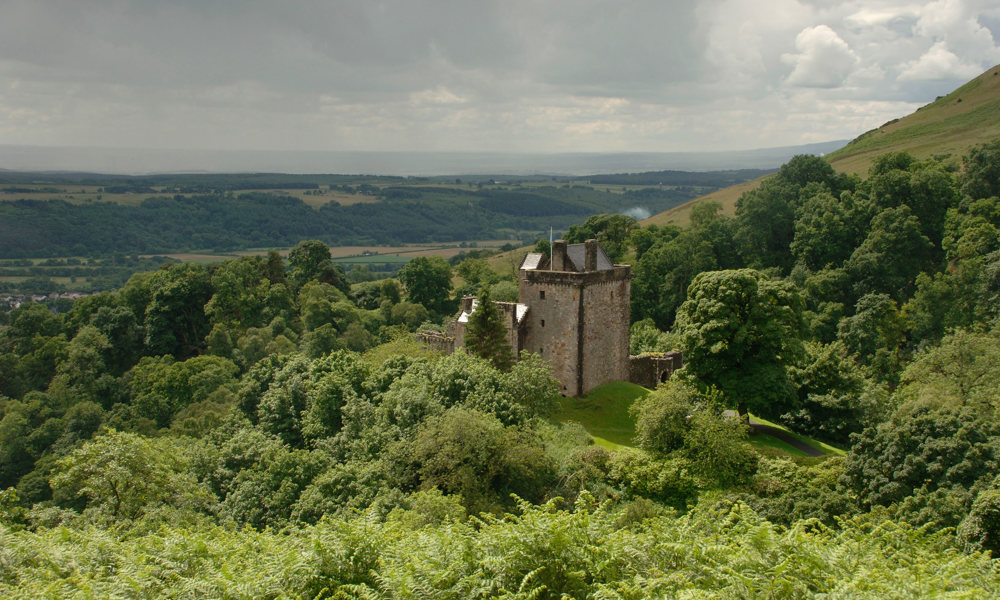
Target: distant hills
{"type": "Point", "coordinates": [131, 161]}
{"type": "Point", "coordinates": [946, 129]}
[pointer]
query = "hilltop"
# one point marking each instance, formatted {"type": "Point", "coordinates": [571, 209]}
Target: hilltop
{"type": "Point", "coordinates": [945, 129]}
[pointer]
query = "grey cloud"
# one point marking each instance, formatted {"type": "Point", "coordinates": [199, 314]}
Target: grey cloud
{"type": "Point", "coordinates": [459, 74]}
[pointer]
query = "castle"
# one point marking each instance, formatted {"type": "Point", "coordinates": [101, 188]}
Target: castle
{"type": "Point", "coordinates": [573, 310]}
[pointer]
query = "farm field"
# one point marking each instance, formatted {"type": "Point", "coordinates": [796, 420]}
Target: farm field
{"type": "Point", "coordinates": [82, 274]}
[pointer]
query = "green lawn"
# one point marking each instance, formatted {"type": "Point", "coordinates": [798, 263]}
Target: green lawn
{"type": "Point", "coordinates": [767, 443]}
{"type": "Point", "coordinates": [604, 413]}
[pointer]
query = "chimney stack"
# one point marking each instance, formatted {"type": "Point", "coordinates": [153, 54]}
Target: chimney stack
{"type": "Point", "coordinates": [590, 263]}
{"type": "Point", "coordinates": [559, 255]}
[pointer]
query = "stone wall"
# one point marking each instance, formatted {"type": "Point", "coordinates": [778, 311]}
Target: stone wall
{"type": "Point", "coordinates": [551, 330]}
{"type": "Point", "coordinates": [650, 370]}
{"type": "Point", "coordinates": [579, 322]}
{"type": "Point", "coordinates": [437, 341]}
{"type": "Point", "coordinates": [605, 325]}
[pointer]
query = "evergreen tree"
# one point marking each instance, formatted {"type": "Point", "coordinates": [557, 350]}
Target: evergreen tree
{"type": "Point", "coordinates": [486, 336]}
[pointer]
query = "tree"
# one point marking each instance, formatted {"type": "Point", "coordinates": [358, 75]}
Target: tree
{"type": "Point", "coordinates": [876, 333]}
{"type": "Point", "coordinates": [830, 390]}
{"type": "Point", "coordinates": [27, 323]}
{"type": "Point", "coordinates": [613, 232]}
{"type": "Point", "coordinates": [428, 282]}
{"type": "Point", "coordinates": [825, 232]}
{"type": "Point", "coordinates": [718, 450]}
{"type": "Point", "coordinates": [486, 336]}
{"type": "Point", "coordinates": [160, 387]}
{"type": "Point", "coordinates": [310, 261]}
{"type": "Point", "coordinates": [661, 277]}
{"type": "Point", "coordinates": [891, 256]}
{"type": "Point", "coordinates": [240, 292]}
{"type": "Point", "coordinates": [921, 450]}
{"type": "Point", "coordinates": [981, 529]}
{"type": "Point", "coordinates": [964, 370]}
{"type": "Point", "coordinates": [175, 317]}
{"type": "Point", "coordinates": [803, 169]}
{"type": "Point", "coordinates": [123, 474]}
{"type": "Point", "coordinates": [765, 226]}
{"type": "Point", "coordinates": [981, 171]}
{"type": "Point", "coordinates": [466, 452]}
{"type": "Point", "coordinates": [739, 332]}
{"type": "Point", "coordinates": [662, 417]}
{"type": "Point", "coordinates": [897, 179]}
{"type": "Point", "coordinates": [124, 333]}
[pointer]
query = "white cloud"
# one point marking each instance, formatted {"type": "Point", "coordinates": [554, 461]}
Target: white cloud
{"type": "Point", "coordinates": [438, 95]}
{"type": "Point", "coordinates": [824, 59]}
{"type": "Point", "coordinates": [955, 22]}
{"type": "Point", "coordinates": [938, 63]}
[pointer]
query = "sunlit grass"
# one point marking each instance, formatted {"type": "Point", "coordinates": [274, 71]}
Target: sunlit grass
{"type": "Point", "coordinates": [604, 413]}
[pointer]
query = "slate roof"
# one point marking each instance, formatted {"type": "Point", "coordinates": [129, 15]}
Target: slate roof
{"type": "Point", "coordinates": [533, 261]}
{"type": "Point", "coordinates": [578, 254]}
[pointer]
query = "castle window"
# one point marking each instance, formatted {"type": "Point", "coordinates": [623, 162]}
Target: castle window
{"type": "Point", "coordinates": [541, 294]}
{"type": "Point", "coordinates": [543, 322]}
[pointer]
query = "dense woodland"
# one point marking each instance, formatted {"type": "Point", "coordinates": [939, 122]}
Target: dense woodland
{"type": "Point", "coordinates": [263, 428]}
{"type": "Point", "coordinates": [179, 213]}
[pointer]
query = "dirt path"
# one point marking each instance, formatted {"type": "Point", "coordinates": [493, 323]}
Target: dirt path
{"type": "Point", "coordinates": [783, 435]}
{"type": "Point", "coordinates": [780, 434]}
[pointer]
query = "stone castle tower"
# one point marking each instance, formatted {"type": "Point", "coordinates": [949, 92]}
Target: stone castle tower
{"type": "Point", "coordinates": [573, 311]}
{"type": "Point", "coordinates": [577, 314]}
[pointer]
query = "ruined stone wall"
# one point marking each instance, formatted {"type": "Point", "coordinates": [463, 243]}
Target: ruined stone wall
{"type": "Point", "coordinates": [437, 341]}
{"type": "Point", "coordinates": [508, 315]}
{"type": "Point", "coordinates": [650, 370]}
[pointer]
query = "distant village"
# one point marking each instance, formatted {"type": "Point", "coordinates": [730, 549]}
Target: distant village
{"type": "Point", "coordinates": [9, 302]}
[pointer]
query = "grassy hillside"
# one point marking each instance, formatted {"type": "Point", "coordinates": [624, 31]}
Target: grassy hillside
{"type": "Point", "coordinates": [681, 215]}
{"type": "Point", "coordinates": [945, 128]}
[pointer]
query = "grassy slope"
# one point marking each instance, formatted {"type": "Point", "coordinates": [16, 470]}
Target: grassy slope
{"type": "Point", "coordinates": [604, 413]}
{"type": "Point", "coordinates": [945, 128]}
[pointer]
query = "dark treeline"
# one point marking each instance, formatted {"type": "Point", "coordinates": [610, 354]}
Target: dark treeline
{"type": "Point", "coordinates": [223, 221]}
{"type": "Point", "coordinates": [184, 183]}
{"type": "Point", "coordinates": [682, 178]}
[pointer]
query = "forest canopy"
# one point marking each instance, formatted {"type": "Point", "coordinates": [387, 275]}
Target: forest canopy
{"type": "Point", "coordinates": [263, 427]}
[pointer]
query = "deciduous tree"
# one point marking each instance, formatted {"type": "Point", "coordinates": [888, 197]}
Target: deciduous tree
{"type": "Point", "coordinates": [428, 282]}
{"type": "Point", "coordinates": [740, 331]}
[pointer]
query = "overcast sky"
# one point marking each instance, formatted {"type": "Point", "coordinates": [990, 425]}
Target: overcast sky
{"type": "Point", "coordinates": [477, 75]}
